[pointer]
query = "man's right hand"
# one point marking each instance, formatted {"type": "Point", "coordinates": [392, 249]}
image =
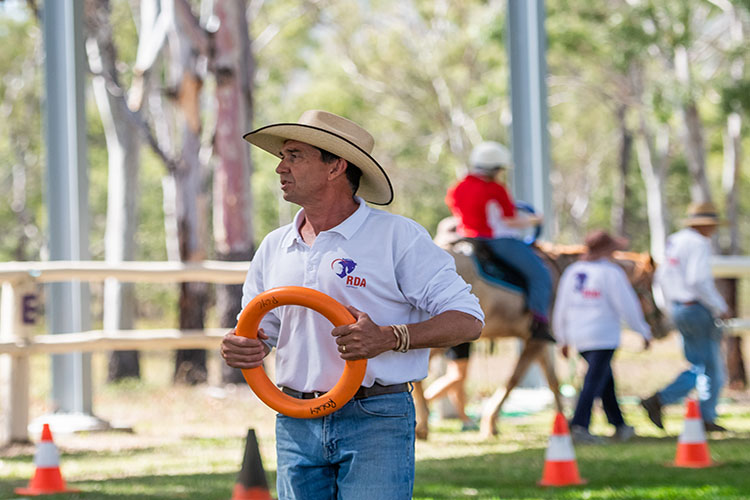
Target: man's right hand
{"type": "Point", "coordinates": [242, 352]}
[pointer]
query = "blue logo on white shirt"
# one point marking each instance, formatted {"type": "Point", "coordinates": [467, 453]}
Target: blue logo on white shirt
{"type": "Point", "coordinates": [586, 292]}
{"type": "Point", "coordinates": [580, 280]}
{"type": "Point", "coordinates": [343, 267]}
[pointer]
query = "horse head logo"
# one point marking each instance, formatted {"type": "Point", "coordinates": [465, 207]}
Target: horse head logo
{"type": "Point", "coordinates": [342, 267]}
{"type": "Point", "coordinates": [580, 280]}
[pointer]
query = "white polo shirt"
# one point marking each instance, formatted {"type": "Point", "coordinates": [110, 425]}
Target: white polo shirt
{"type": "Point", "coordinates": [593, 298]}
{"type": "Point", "coordinates": [685, 275]}
{"type": "Point", "coordinates": [382, 264]}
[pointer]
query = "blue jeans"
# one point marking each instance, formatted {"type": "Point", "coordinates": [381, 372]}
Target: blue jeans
{"type": "Point", "coordinates": [701, 341]}
{"type": "Point", "coordinates": [365, 450]}
{"type": "Point", "coordinates": [523, 258]}
{"type": "Point", "coordinates": [598, 383]}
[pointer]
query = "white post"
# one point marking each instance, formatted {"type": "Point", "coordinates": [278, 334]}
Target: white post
{"type": "Point", "coordinates": [18, 311]}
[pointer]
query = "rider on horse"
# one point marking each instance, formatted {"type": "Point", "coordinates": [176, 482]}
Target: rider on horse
{"type": "Point", "coordinates": [486, 213]}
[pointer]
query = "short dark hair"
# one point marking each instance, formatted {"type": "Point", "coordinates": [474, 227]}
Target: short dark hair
{"type": "Point", "coordinates": [353, 172]}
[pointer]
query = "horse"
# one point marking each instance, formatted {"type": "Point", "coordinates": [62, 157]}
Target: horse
{"type": "Point", "coordinates": [506, 315]}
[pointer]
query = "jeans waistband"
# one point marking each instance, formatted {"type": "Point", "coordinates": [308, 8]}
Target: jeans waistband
{"type": "Point", "coordinates": [687, 303]}
{"type": "Point", "coordinates": [362, 393]}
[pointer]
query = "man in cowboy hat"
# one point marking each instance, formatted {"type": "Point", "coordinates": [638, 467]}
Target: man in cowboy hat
{"type": "Point", "coordinates": [688, 286]}
{"type": "Point", "coordinates": [402, 290]}
{"type": "Point", "coordinates": [593, 297]}
{"type": "Point", "coordinates": [485, 211]}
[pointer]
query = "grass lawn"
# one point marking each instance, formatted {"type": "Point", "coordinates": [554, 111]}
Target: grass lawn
{"type": "Point", "coordinates": [189, 442]}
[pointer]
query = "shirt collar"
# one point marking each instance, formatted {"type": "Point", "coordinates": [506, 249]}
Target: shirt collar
{"type": "Point", "coordinates": [693, 231]}
{"type": "Point", "coordinates": [346, 229]}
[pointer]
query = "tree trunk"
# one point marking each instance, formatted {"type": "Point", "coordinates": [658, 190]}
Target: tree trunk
{"type": "Point", "coordinates": [737, 377]}
{"type": "Point", "coordinates": [190, 364]}
{"type": "Point", "coordinates": [652, 161]}
{"type": "Point", "coordinates": [123, 153]}
{"type": "Point", "coordinates": [233, 66]}
{"type": "Point", "coordinates": [695, 153]}
{"type": "Point", "coordinates": [620, 191]}
{"type": "Point", "coordinates": [185, 45]}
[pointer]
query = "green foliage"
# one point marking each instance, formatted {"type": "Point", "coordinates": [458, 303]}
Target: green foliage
{"type": "Point", "coordinates": [735, 98]}
{"type": "Point", "coordinates": [21, 151]}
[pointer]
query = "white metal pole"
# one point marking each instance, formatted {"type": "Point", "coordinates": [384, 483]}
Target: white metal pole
{"type": "Point", "coordinates": [67, 304]}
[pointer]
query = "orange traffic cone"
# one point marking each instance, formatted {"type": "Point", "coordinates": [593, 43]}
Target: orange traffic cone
{"type": "Point", "coordinates": [251, 482]}
{"type": "Point", "coordinates": [692, 448]}
{"type": "Point", "coordinates": [47, 479]}
{"type": "Point", "coordinates": [560, 468]}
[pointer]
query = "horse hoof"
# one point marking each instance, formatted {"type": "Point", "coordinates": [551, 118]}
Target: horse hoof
{"type": "Point", "coordinates": [487, 430]}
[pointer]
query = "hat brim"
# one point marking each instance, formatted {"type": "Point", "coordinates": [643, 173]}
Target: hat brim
{"type": "Point", "coordinates": [374, 186]}
{"type": "Point", "coordinates": [703, 221]}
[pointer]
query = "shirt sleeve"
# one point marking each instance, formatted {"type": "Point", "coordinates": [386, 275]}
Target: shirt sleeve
{"type": "Point", "coordinates": [701, 279]}
{"type": "Point", "coordinates": [253, 285]}
{"type": "Point", "coordinates": [625, 302]}
{"type": "Point", "coordinates": [560, 309]}
{"type": "Point", "coordinates": [505, 200]}
{"type": "Point", "coordinates": [428, 279]}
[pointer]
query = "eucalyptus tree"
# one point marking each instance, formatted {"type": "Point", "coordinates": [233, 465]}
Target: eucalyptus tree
{"type": "Point", "coordinates": [122, 113]}
{"type": "Point", "coordinates": [233, 65]}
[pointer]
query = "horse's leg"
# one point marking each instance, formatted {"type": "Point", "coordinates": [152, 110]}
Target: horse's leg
{"type": "Point", "coordinates": [491, 410]}
{"type": "Point", "coordinates": [547, 360]}
{"type": "Point", "coordinates": [422, 412]}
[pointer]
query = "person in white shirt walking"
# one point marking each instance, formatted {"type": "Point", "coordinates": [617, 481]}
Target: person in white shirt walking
{"type": "Point", "coordinates": [401, 288]}
{"type": "Point", "coordinates": [593, 297]}
{"type": "Point", "coordinates": [689, 290]}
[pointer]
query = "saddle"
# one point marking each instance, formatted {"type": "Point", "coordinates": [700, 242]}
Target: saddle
{"type": "Point", "coordinates": [495, 270]}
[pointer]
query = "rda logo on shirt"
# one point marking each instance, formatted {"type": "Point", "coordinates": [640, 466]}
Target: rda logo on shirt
{"type": "Point", "coordinates": [343, 268]}
{"type": "Point", "coordinates": [586, 292]}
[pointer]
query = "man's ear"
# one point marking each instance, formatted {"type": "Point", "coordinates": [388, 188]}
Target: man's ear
{"type": "Point", "coordinates": [336, 168]}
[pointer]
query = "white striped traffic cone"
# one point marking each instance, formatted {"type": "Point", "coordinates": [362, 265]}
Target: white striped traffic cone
{"type": "Point", "coordinates": [47, 478]}
{"type": "Point", "coordinates": [560, 468]}
{"type": "Point", "coordinates": [692, 448]}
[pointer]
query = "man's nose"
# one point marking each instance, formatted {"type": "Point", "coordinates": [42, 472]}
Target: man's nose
{"type": "Point", "coordinates": [281, 167]}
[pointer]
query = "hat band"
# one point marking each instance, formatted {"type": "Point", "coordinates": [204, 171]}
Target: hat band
{"type": "Point", "coordinates": [708, 214]}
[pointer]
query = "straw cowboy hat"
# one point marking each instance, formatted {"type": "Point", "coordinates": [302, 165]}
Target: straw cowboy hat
{"type": "Point", "coordinates": [702, 214]}
{"type": "Point", "coordinates": [336, 135]}
{"type": "Point", "coordinates": [600, 244]}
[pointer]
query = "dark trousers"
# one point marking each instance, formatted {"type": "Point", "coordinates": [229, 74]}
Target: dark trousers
{"type": "Point", "coordinates": [598, 383]}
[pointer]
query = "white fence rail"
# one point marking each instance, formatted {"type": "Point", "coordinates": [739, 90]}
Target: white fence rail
{"type": "Point", "coordinates": [19, 303]}
{"type": "Point", "coordinates": [19, 306]}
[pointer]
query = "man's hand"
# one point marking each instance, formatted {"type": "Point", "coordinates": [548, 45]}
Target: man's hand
{"type": "Point", "coordinates": [726, 315]}
{"type": "Point", "coordinates": [242, 352]}
{"type": "Point", "coordinates": [362, 339]}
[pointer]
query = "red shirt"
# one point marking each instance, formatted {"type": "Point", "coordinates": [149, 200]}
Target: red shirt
{"type": "Point", "coordinates": [469, 200]}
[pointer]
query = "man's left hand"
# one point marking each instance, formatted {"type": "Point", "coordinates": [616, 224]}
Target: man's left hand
{"type": "Point", "coordinates": [362, 339]}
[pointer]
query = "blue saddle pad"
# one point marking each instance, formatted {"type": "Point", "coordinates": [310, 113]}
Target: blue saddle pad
{"type": "Point", "coordinates": [495, 270]}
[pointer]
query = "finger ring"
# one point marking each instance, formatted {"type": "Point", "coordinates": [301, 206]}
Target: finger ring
{"type": "Point", "coordinates": [343, 348]}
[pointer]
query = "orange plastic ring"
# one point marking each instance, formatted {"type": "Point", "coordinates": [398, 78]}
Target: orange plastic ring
{"type": "Point", "coordinates": [351, 378]}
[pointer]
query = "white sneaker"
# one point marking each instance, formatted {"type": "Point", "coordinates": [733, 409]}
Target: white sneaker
{"type": "Point", "coordinates": [581, 435]}
{"type": "Point", "coordinates": [624, 433]}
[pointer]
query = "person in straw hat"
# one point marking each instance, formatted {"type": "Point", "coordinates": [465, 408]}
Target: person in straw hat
{"type": "Point", "coordinates": [688, 287]}
{"type": "Point", "coordinates": [401, 288]}
{"type": "Point", "coordinates": [593, 297]}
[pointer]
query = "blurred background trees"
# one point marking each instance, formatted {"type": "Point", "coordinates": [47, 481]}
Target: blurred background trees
{"type": "Point", "coordinates": [648, 106]}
